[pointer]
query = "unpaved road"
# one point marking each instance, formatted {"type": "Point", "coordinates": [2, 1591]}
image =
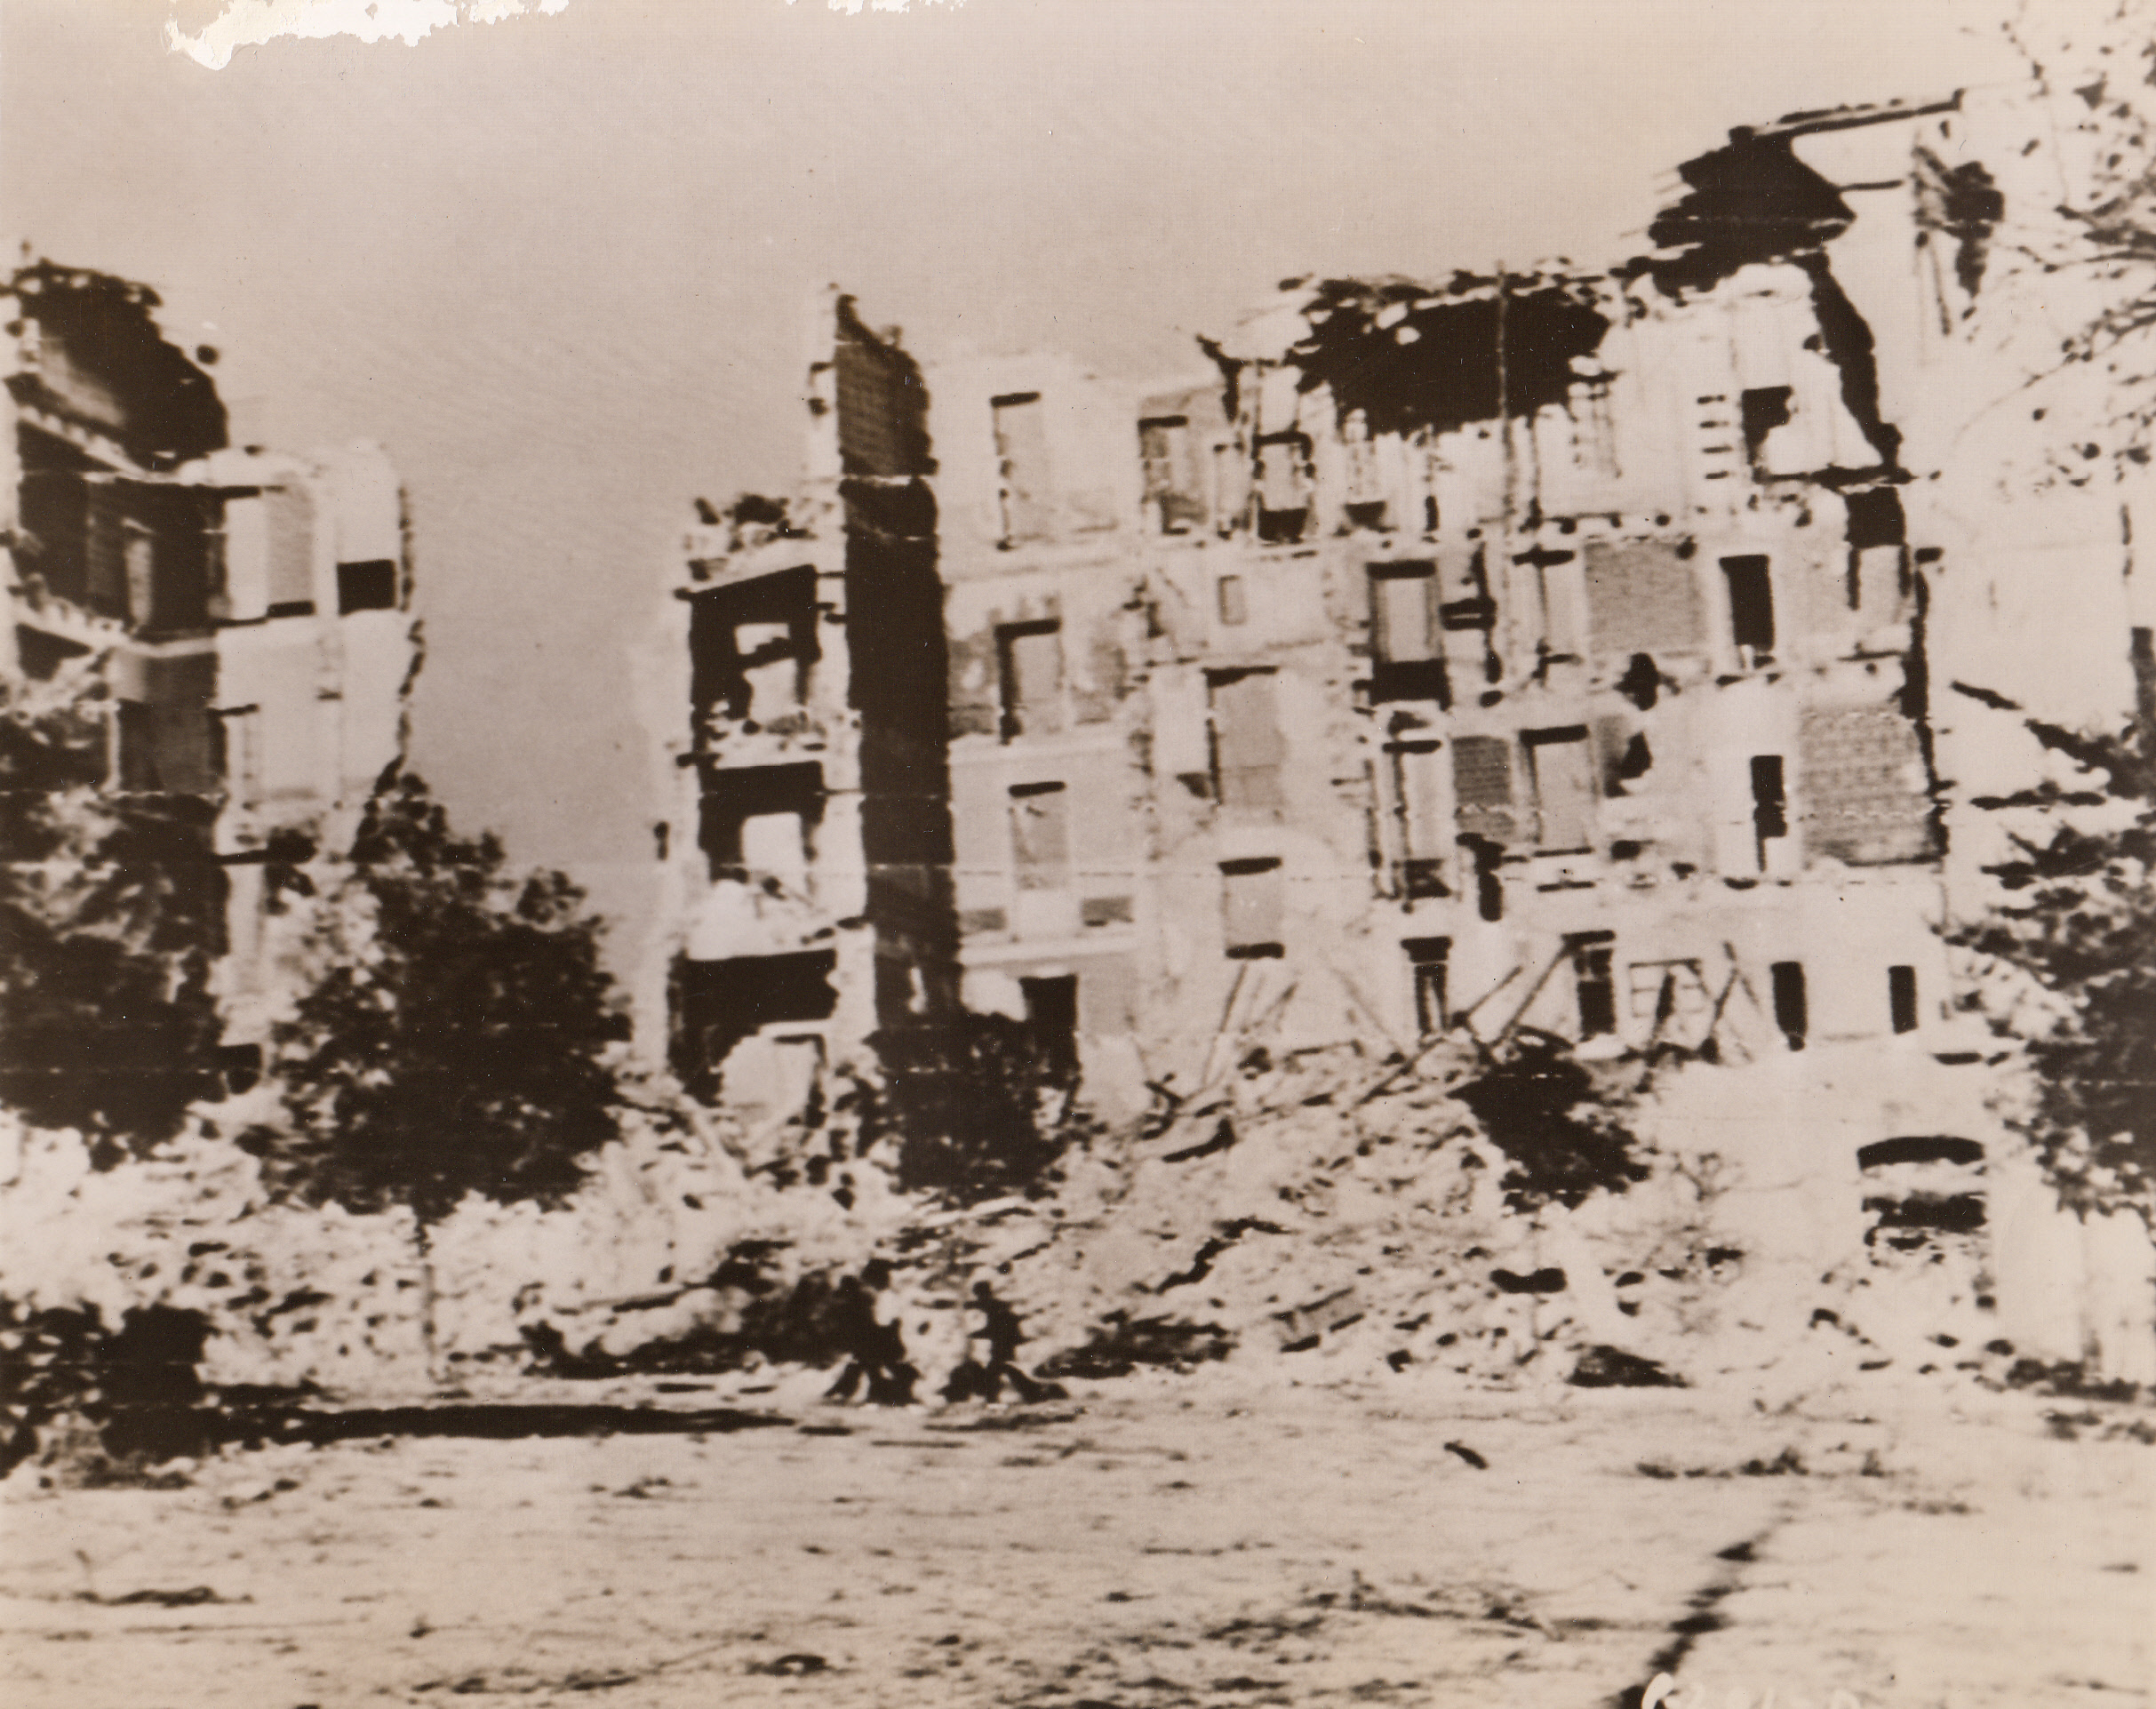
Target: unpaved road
{"type": "Point", "coordinates": [1153, 1544]}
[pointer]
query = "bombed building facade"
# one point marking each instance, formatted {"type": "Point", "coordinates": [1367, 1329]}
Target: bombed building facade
{"type": "Point", "coordinates": [1540, 648]}
{"type": "Point", "coordinates": [808, 861]}
{"type": "Point", "coordinates": [245, 610]}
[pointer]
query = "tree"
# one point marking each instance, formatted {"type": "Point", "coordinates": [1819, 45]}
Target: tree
{"type": "Point", "coordinates": [457, 1040]}
{"type": "Point", "coordinates": [980, 1108]}
{"type": "Point", "coordinates": [1558, 1128]}
{"type": "Point", "coordinates": [111, 919]}
{"type": "Point", "coordinates": [2079, 917]}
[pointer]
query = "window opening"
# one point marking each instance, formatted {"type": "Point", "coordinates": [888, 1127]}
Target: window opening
{"type": "Point", "coordinates": [1666, 992]}
{"type": "Point", "coordinates": [1875, 518]}
{"type": "Point", "coordinates": [1769, 801]}
{"type": "Point", "coordinates": [1760, 411]}
{"type": "Point", "coordinates": [1234, 602]}
{"type": "Point", "coordinates": [1562, 772]}
{"type": "Point", "coordinates": [1107, 911]}
{"type": "Point", "coordinates": [1366, 502]}
{"type": "Point", "coordinates": [1557, 590]}
{"type": "Point", "coordinates": [139, 555]}
{"type": "Point", "coordinates": [1482, 788]}
{"type": "Point", "coordinates": [289, 514]}
{"type": "Point", "coordinates": [1866, 800]}
{"type": "Point", "coordinates": [1051, 1020]}
{"type": "Point", "coordinates": [1248, 747]}
{"type": "Point", "coordinates": [1791, 1005]}
{"type": "Point", "coordinates": [1642, 596]}
{"type": "Point", "coordinates": [1594, 983]}
{"type": "Point", "coordinates": [1171, 495]}
{"type": "Point", "coordinates": [751, 645]}
{"type": "Point", "coordinates": [776, 845]}
{"type": "Point", "coordinates": [1283, 488]}
{"type": "Point", "coordinates": [243, 745]}
{"type": "Point", "coordinates": [1231, 487]}
{"type": "Point", "coordinates": [1427, 961]}
{"type": "Point", "coordinates": [1021, 450]}
{"type": "Point", "coordinates": [1029, 659]}
{"type": "Point", "coordinates": [1040, 836]}
{"type": "Point", "coordinates": [1407, 660]}
{"type": "Point", "coordinates": [736, 797]}
{"type": "Point", "coordinates": [1251, 902]}
{"type": "Point", "coordinates": [716, 1004]}
{"type": "Point", "coordinates": [1901, 998]}
{"type": "Point", "coordinates": [170, 742]}
{"type": "Point", "coordinates": [1750, 608]}
{"type": "Point", "coordinates": [1421, 827]}
{"type": "Point", "coordinates": [367, 587]}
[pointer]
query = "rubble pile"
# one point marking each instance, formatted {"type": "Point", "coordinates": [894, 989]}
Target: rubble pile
{"type": "Point", "coordinates": [1324, 1215]}
{"type": "Point", "coordinates": [1344, 1219]}
{"type": "Point", "coordinates": [671, 1236]}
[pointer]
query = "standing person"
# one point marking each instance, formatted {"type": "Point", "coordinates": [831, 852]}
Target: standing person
{"type": "Point", "coordinates": [875, 1346]}
{"type": "Point", "coordinates": [891, 1380]}
{"type": "Point", "coordinates": [1000, 1329]}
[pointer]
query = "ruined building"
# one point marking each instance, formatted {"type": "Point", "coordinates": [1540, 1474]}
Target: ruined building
{"type": "Point", "coordinates": [1532, 648]}
{"type": "Point", "coordinates": [809, 857]}
{"type": "Point", "coordinates": [246, 610]}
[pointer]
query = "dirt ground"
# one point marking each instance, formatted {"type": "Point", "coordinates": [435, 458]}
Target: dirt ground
{"type": "Point", "coordinates": [1160, 1541]}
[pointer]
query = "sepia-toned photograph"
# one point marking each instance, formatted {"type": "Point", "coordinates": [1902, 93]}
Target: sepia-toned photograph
{"type": "Point", "coordinates": [1078, 854]}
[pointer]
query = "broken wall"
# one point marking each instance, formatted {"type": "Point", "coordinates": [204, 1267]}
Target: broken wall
{"type": "Point", "coordinates": [807, 899]}
{"type": "Point", "coordinates": [249, 611]}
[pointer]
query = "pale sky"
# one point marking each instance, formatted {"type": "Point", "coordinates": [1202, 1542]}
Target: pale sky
{"type": "Point", "coordinates": [559, 265]}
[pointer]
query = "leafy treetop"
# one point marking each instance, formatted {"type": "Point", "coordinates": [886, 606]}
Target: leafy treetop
{"type": "Point", "coordinates": [459, 1039]}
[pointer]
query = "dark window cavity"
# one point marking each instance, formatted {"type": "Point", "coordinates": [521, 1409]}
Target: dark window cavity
{"type": "Point", "coordinates": [1751, 605]}
{"type": "Point", "coordinates": [1760, 411]}
{"type": "Point", "coordinates": [752, 644]}
{"type": "Point", "coordinates": [1051, 1020]}
{"type": "Point", "coordinates": [1791, 1006]}
{"type": "Point", "coordinates": [1283, 488]}
{"type": "Point", "coordinates": [1427, 961]}
{"type": "Point", "coordinates": [1594, 983]}
{"type": "Point", "coordinates": [1107, 911]}
{"type": "Point", "coordinates": [1875, 518]}
{"type": "Point", "coordinates": [169, 740]}
{"type": "Point", "coordinates": [367, 587]}
{"type": "Point", "coordinates": [717, 1004]}
{"type": "Point", "coordinates": [1770, 800]}
{"type": "Point", "coordinates": [1901, 998]}
{"type": "Point", "coordinates": [733, 798]}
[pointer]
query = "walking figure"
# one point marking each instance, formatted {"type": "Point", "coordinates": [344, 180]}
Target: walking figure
{"type": "Point", "coordinates": [983, 1379]}
{"type": "Point", "coordinates": [876, 1348]}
